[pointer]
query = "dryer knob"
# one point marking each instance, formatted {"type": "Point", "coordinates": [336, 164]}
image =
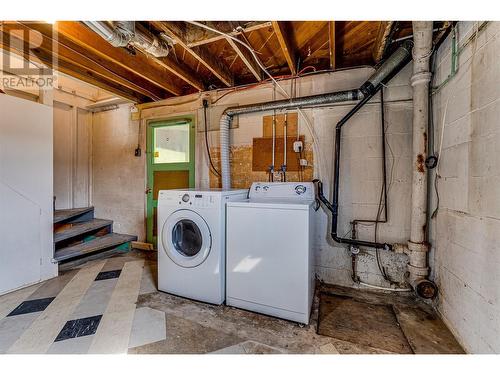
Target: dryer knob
{"type": "Point", "coordinates": [185, 198]}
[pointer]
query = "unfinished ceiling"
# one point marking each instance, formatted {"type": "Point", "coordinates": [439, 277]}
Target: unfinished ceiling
{"type": "Point", "coordinates": [200, 59]}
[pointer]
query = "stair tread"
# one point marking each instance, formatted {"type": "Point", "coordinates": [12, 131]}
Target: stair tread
{"type": "Point", "coordinates": [77, 229]}
{"type": "Point", "coordinates": [62, 215]}
{"type": "Point", "coordinates": [97, 244]}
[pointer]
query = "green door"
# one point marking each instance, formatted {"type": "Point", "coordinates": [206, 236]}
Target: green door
{"type": "Point", "coordinates": [170, 162]}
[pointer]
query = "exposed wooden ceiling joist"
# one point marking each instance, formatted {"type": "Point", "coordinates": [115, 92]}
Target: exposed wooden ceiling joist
{"type": "Point", "coordinates": [382, 40]}
{"type": "Point", "coordinates": [332, 44]}
{"type": "Point", "coordinates": [201, 56]}
{"type": "Point", "coordinates": [148, 67]}
{"type": "Point", "coordinates": [201, 53]}
{"type": "Point", "coordinates": [22, 48]}
{"type": "Point", "coordinates": [286, 46]}
{"type": "Point", "coordinates": [197, 36]}
{"type": "Point", "coordinates": [100, 66]}
{"type": "Point", "coordinates": [247, 58]}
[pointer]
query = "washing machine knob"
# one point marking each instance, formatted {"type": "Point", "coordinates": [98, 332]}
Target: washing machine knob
{"type": "Point", "coordinates": [185, 198]}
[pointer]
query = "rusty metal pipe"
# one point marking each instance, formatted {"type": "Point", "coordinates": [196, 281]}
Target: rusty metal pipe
{"type": "Point", "coordinates": [417, 249]}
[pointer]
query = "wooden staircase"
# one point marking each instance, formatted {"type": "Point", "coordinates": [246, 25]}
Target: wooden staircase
{"type": "Point", "coordinates": [77, 234]}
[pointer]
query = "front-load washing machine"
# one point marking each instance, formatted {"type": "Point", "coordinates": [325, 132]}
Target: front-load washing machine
{"type": "Point", "coordinates": [191, 242]}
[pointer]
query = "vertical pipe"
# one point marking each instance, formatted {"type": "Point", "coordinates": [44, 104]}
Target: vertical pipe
{"type": "Point", "coordinates": [417, 246]}
{"type": "Point", "coordinates": [225, 123]}
{"type": "Point", "coordinates": [285, 134]}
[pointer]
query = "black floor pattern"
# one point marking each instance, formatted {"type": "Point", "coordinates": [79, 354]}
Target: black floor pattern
{"type": "Point", "coordinates": [79, 327]}
{"type": "Point", "coordinates": [108, 275]}
{"type": "Point", "coordinates": [31, 306]}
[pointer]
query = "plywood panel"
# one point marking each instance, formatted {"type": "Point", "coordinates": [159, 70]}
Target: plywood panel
{"type": "Point", "coordinates": [291, 120]}
{"type": "Point", "coordinates": [242, 175]}
{"type": "Point", "coordinates": [262, 152]}
{"type": "Point", "coordinates": [165, 180]}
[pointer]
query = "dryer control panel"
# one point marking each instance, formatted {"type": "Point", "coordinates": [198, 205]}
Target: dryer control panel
{"type": "Point", "coordinates": [298, 191]}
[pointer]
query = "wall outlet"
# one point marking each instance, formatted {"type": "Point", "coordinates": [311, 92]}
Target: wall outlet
{"type": "Point", "coordinates": [303, 163]}
{"type": "Point", "coordinates": [298, 146]}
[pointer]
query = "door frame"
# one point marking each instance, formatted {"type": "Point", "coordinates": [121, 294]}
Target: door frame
{"type": "Point", "coordinates": [151, 204]}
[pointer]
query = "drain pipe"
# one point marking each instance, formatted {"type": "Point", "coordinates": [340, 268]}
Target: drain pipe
{"type": "Point", "coordinates": [417, 247]}
{"type": "Point", "coordinates": [390, 67]}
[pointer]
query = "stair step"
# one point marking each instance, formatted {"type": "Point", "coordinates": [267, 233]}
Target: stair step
{"type": "Point", "coordinates": [77, 229]}
{"type": "Point", "coordinates": [74, 215]}
{"type": "Point", "coordinates": [100, 243]}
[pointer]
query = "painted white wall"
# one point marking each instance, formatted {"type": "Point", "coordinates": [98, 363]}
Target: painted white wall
{"type": "Point", "coordinates": [466, 231]}
{"type": "Point", "coordinates": [119, 178]}
{"type": "Point", "coordinates": [26, 213]}
{"type": "Point", "coordinates": [72, 152]}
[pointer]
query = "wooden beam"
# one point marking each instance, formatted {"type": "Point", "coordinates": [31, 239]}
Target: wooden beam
{"type": "Point", "coordinates": [72, 70]}
{"type": "Point", "coordinates": [148, 67]}
{"type": "Point", "coordinates": [81, 59]}
{"type": "Point", "coordinates": [332, 44]}
{"type": "Point", "coordinates": [382, 40]}
{"type": "Point", "coordinates": [197, 36]}
{"type": "Point", "coordinates": [101, 66]}
{"type": "Point", "coordinates": [200, 53]}
{"type": "Point", "coordinates": [440, 35]}
{"type": "Point", "coordinates": [247, 58]}
{"type": "Point", "coordinates": [286, 46]}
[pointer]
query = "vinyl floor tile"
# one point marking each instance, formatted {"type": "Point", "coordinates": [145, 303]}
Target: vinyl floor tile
{"type": "Point", "coordinates": [148, 327]}
{"type": "Point", "coordinates": [79, 327]}
{"type": "Point", "coordinates": [114, 274]}
{"type": "Point", "coordinates": [31, 306]}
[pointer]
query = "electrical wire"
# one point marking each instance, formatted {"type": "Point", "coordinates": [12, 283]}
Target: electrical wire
{"type": "Point", "coordinates": [437, 175]}
{"type": "Point", "coordinates": [310, 128]}
{"type": "Point", "coordinates": [214, 170]}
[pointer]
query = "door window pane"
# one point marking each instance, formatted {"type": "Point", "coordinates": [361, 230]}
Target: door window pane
{"type": "Point", "coordinates": [171, 144]}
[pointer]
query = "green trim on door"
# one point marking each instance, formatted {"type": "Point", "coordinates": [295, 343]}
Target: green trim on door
{"type": "Point", "coordinates": [152, 167]}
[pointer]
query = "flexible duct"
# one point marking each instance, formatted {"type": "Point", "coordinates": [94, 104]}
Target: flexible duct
{"type": "Point", "coordinates": [124, 33]}
{"type": "Point", "coordinates": [386, 71]}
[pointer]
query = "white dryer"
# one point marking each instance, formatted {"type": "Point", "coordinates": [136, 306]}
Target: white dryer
{"type": "Point", "coordinates": [191, 242]}
{"type": "Point", "coordinates": [269, 253]}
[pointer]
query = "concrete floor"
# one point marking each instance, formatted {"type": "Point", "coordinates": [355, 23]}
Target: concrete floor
{"type": "Point", "coordinates": [112, 306]}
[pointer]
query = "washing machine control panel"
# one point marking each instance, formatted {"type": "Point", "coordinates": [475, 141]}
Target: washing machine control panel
{"type": "Point", "coordinates": [188, 199]}
{"type": "Point", "coordinates": [299, 191]}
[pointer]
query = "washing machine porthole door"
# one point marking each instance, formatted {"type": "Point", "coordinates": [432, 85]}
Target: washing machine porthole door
{"type": "Point", "coordinates": [186, 238]}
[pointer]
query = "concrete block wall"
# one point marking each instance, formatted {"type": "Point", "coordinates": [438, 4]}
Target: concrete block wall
{"type": "Point", "coordinates": [361, 162]}
{"type": "Point", "coordinates": [466, 231]}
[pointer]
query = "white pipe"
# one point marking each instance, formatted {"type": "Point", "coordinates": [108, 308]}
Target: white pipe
{"type": "Point", "coordinates": [285, 134]}
{"type": "Point", "coordinates": [384, 288]}
{"type": "Point", "coordinates": [417, 248]}
{"type": "Point", "coordinates": [273, 162]}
